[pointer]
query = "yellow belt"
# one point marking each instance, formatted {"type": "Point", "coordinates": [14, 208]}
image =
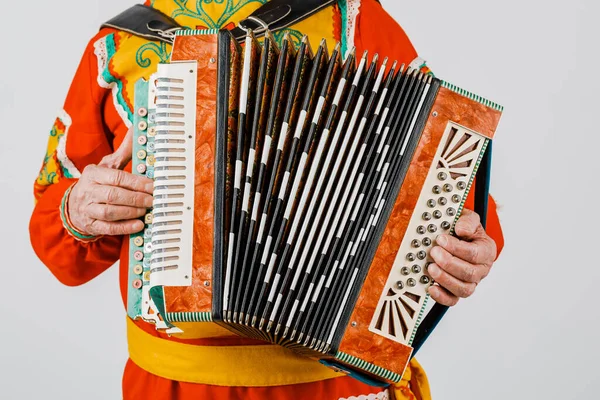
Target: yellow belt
{"type": "Point", "coordinates": [248, 366]}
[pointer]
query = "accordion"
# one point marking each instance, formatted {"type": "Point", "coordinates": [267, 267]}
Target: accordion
{"type": "Point", "coordinates": [298, 194]}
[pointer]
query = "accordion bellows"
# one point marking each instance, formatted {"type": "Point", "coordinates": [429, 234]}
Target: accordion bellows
{"type": "Point", "coordinates": [298, 194]}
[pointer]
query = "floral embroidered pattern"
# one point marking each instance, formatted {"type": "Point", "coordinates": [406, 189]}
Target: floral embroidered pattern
{"type": "Point", "coordinates": [56, 164]}
{"type": "Point", "coordinates": [159, 48]}
{"type": "Point", "coordinates": [295, 35]}
{"type": "Point", "coordinates": [198, 12]}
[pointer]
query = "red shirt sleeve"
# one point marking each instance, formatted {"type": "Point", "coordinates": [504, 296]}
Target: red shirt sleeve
{"type": "Point", "coordinates": [377, 32]}
{"type": "Point", "coordinates": [78, 137]}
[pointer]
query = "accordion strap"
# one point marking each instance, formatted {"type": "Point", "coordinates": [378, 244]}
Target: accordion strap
{"type": "Point", "coordinates": [144, 21]}
{"type": "Point", "coordinates": [279, 14]}
{"type": "Point", "coordinates": [152, 24]}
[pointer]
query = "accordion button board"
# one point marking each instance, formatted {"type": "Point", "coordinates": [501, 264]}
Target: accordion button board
{"type": "Point", "coordinates": [298, 194]}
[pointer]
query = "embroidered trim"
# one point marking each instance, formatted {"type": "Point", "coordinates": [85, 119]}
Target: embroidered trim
{"type": "Point", "coordinates": [385, 395]}
{"type": "Point", "coordinates": [417, 63]}
{"type": "Point", "coordinates": [68, 225]}
{"type": "Point", "coordinates": [69, 169]}
{"type": "Point", "coordinates": [350, 10]}
{"type": "Point", "coordinates": [105, 49]}
{"type": "Point", "coordinates": [420, 64]}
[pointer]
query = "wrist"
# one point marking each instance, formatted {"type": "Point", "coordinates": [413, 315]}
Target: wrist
{"type": "Point", "coordinates": [71, 229]}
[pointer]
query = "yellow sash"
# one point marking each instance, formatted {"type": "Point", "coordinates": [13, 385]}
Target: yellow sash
{"type": "Point", "coordinates": [248, 366]}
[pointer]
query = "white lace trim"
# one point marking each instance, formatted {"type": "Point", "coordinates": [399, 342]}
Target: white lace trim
{"type": "Point", "coordinates": [102, 57]}
{"type": "Point", "coordinates": [61, 148]}
{"type": "Point", "coordinates": [352, 8]}
{"type": "Point", "coordinates": [385, 395]}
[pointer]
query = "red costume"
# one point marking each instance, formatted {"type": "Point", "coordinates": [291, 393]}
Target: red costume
{"type": "Point", "coordinates": [96, 117]}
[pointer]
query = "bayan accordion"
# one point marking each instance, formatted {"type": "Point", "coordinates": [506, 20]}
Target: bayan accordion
{"type": "Point", "coordinates": [298, 194]}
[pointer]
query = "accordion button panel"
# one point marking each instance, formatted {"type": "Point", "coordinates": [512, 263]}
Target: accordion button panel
{"type": "Point", "coordinates": [404, 296]}
{"type": "Point", "coordinates": [174, 168]}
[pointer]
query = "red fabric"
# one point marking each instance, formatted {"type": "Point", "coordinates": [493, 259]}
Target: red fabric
{"type": "Point", "coordinates": [142, 385]}
{"type": "Point", "coordinates": [379, 33]}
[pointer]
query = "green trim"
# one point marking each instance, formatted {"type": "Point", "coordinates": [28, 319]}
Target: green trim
{"type": "Point", "coordinates": [134, 296]}
{"type": "Point", "coordinates": [157, 294]}
{"type": "Point", "coordinates": [344, 15]}
{"type": "Point", "coordinates": [370, 368]}
{"type": "Point", "coordinates": [63, 217]}
{"type": "Point", "coordinates": [472, 96]}
{"type": "Point", "coordinates": [111, 49]}
{"type": "Point", "coordinates": [192, 32]}
{"type": "Point", "coordinates": [189, 317]}
{"type": "Point", "coordinates": [419, 319]}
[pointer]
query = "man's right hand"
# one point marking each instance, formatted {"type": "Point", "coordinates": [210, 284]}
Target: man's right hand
{"type": "Point", "coordinates": [109, 201]}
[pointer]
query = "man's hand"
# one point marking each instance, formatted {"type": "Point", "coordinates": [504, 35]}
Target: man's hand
{"type": "Point", "coordinates": [108, 201]}
{"type": "Point", "coordinates": [461, 262]}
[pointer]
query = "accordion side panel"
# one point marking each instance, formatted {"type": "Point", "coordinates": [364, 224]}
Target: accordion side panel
{"type": "Point", "coordinates": [197, 298]}
{"type": "Point", "coordinates": [359, 342]}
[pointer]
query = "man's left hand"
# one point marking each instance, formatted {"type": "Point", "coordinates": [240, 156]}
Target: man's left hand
{"type": "Point", "coordinates": [461, 262]}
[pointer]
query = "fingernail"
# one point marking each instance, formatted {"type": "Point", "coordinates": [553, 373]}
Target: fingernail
{"type": "Point", "coordinates": [433, 270]}
{"type": "Point", "coordinates": [148, 202]}
{"type": "Point", "coordinates": [442, 240]}
{"type": "Point", "coordinates": [138, 226]}
{"type": "Point", "coordinates": [149, 187]}
{"type": "Point", "coordinates": [436, 252]}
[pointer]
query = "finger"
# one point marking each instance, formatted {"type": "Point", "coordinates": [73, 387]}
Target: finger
{"type": "Point", "coordinates": [481, 251]}
{"type": "Point", "coordinates": [121, 197]}
{"type": "Point", "coordinates": [121, 157]}
{"type": "Point", "coordinates": [450, 283]}
{"type": "Point", "coordinates": [114, 177]}
{"type": "Point", "coordinates": [116, 228]}
{"type": "Point", "coordinates": [458, 268]}
{"type": "Point", "coordinates": [105, 212]}
{"type": "Point", "coordinates": [442, 296]}
{"type": "Point", "coordinates": [468, 226]}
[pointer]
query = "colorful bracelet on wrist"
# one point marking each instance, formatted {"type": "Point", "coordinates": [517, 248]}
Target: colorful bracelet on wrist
{"type": "Point", "coordinates": [64, 216]}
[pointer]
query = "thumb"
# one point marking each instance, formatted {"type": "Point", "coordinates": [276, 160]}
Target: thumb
{"type": "Point", "coordinates": [121, 156]}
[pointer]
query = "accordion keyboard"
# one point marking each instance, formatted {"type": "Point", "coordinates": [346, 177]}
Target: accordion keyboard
{"type": "Point", "coordinates": [404, 298]}
{"type": "Point", "coordinates": [172, 227]}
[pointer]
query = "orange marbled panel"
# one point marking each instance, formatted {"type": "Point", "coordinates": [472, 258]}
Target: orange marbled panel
{"type": "Point", "coordinates": [198, 296]}
{"type": "Point", "coordinates": [468, 113]}
{"type": "Point", "coordinates": [359, 341]}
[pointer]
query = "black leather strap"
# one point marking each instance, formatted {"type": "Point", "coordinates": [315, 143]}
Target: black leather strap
{"type": "Point", "coordinates": [279, 14]}
{"type": "Point", "coordinates": [152, 24]}
{"type": "Point", "coordinates": [144, 21]}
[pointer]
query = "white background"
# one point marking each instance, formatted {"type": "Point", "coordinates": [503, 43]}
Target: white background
{"type": "Point", "coordinates": [530, 332]}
